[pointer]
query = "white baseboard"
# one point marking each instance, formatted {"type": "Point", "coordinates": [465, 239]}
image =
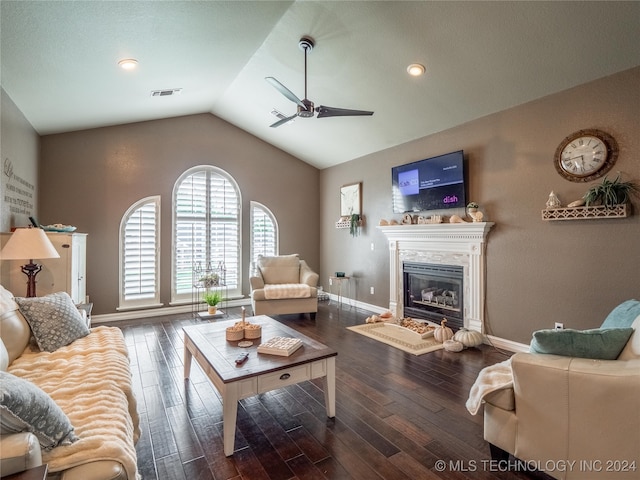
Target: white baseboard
{"type": "Point", "coordinates": [158, 312]}
{"type": "Point", "coordinates": [505, 344]}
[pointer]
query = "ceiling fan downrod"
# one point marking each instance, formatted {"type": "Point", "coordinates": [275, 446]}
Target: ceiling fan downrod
{"type": "Point", "coordinates": [306, 45]}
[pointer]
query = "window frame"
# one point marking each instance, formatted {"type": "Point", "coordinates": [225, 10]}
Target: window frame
{"type": "Point", "coordinates": [182, 298]}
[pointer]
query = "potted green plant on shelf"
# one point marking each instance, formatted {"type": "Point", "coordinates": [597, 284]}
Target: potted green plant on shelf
{"type": "Point", "coordinates": [212, 298]}
{"type": "Point", "coordinates": [472, 207]}
{"type": "Point", "coordinates": [610, 192]}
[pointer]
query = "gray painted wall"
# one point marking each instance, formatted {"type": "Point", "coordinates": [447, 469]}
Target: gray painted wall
{"type": "Point", "coordinates": [90, 178]}
{"type": "Point", "coordinates": [538, 272]}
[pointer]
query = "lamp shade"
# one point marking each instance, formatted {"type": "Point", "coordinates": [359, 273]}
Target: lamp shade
{"type": "Point", "coordinates": [28, 244]}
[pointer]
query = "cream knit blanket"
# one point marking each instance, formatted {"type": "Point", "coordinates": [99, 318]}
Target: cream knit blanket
{"type": "Point", "coordinates": [286, 290]}
{"type": "Point", "coordinates": [490, 379]}
{"type": "Point", "coordinates": [90, 380]}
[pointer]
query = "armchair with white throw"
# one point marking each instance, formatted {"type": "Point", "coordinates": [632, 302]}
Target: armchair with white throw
{"type": "Point", "coordinates": [283, 284]}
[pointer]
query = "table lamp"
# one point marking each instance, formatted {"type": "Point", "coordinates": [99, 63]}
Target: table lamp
{"type": "Point", "coordinates": [27, 244]}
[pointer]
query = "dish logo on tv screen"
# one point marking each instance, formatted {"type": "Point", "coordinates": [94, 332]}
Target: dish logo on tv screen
{"type": "Point", "coordinates": [450, 199]}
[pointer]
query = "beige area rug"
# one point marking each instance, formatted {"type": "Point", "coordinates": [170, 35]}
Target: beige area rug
{"type": "Point", "coordinates": [398, 337]}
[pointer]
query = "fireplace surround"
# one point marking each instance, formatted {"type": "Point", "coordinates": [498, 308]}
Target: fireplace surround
{"type": "Point", "coordinates": [454, 246]}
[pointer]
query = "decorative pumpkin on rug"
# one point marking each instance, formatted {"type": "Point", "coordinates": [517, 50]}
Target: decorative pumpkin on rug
{"type": "Point", "coordinates": [443, 333]}
{"type": "Point", "coordinates": [468, 338]}
{"type": "Point", "coordinates": [453, 346]}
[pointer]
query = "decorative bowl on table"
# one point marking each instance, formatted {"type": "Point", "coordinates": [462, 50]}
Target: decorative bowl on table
{"type": "Point", "coordinates": [58, 227]}
{"type": "Point", "coordinates": [234, 333]}
{"type": "Point", "coordinates": [252, 330]}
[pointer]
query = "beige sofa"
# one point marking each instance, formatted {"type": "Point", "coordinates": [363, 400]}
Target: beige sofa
{"type": "Point", "coordinates": [85, 384]}
{"type": "Point", "coordinates": [573, 418]}
{"type": "Point", "coordinates": [283, 284]}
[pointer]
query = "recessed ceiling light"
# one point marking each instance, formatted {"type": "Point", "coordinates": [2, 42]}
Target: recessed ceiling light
{"type": "Point", "coordinates": [128, 63]}
{"type": "Point", "coordinates": [415, 69]}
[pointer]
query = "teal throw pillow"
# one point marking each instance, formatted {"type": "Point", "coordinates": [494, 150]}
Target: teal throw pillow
{"type": "Point", "coordinates": [602, 344]}
{"type": "Point", "coordinates": [623, 315]}
{"type": "Point", "coordinates": [24, 407]}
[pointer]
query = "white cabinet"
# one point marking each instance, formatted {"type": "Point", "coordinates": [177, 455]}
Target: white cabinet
{"type": "Point", "coordinates": [64, 274]}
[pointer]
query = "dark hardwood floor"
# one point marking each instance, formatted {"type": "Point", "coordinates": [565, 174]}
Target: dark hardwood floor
{"type": "Point", "coordinates": [397, 415]}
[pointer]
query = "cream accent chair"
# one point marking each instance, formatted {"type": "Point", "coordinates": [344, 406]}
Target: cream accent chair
{"type": "Point", "coordinates": [564, 409]}
{"type": "Point", "coordinates": [279, 270]}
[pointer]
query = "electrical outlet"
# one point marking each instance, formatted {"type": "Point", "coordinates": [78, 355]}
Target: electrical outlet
{"type": "Point", "coordinates": [372, 291]}
{"type": "Point", "coordinates": [559, 326]}
{"type": "Point", "coordinates": [373, 247]}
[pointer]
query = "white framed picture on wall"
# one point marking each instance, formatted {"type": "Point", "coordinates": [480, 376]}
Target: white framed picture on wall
{"type": "Point", "coordinates": [350, 199]}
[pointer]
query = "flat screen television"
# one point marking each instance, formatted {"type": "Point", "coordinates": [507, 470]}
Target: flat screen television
{"type": "Point", "coordinates": [431, 184]}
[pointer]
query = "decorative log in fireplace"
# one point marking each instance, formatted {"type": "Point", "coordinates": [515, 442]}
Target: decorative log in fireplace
{"type": "Point", "coordinates": [432, 292]}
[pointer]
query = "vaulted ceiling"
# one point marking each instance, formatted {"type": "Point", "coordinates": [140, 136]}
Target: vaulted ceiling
{"type": "Point", "coordinates": [60, 63]}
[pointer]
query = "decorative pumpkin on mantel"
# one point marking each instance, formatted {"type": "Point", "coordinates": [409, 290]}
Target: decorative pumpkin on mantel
{"type": "Point", "coordinates": [443, 333]}
{"type": "Point", "coordinates": [468, 338]}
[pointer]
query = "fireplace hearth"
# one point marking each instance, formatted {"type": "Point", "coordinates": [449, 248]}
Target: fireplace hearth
{"type": "Point", "coordinates": [432, 292]}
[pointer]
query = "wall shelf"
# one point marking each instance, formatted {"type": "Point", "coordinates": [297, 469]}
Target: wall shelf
{"type": "Point", "coordinates": [346, 223]}
{"type": "Point", "coordinates": [585, 213]}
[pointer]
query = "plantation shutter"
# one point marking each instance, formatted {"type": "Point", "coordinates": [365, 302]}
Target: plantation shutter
{"type": "Point", "coordinates": [264, 235]}
{"type": "Point", "coordinates": [139, 254]}
{"type": "Point", "coordinates": [190, 229]}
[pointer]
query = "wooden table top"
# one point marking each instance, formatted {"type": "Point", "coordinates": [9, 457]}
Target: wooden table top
{"type": "Point", "coordinates": [210, 340]}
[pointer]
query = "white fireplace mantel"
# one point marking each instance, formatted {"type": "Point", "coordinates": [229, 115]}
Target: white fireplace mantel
{"type": "Point", "coordinates": [461, 244]}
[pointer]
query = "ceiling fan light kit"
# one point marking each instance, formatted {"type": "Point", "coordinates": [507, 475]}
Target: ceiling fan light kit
{"type": "Point", "coordinates": [306, 108]}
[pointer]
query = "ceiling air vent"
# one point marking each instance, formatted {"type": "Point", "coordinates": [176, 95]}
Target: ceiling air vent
{"type": "Point", "coordinates": [166, 93]}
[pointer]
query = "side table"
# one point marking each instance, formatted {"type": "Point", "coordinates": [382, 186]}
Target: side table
{"type": "Point", "coordinates": [339, 281]}
{"type": "Point", "coordinates": [37, 473]}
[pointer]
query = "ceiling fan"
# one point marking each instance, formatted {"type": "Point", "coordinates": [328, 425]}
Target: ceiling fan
{"type": "Point", "coordinates": [305, 107]}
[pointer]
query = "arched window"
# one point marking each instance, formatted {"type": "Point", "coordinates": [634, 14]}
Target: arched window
{"type": "Point", "coordinates": [206, 230]}
{"type": "Point", "coordinates": [264, 232]}
{"type": "Point", "coordinates": [139, 254]}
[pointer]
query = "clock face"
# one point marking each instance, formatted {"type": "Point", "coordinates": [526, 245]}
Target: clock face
{"type": "Point", "coordinates": [586, 155]}
{"type": "Point", "coordinates": [583, 156]}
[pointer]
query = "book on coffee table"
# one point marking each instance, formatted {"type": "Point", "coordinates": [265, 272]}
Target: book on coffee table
{"type": "Point", "coordinates": [283, 346]}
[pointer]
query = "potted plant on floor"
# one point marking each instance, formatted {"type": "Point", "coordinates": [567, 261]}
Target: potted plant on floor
{"type": "Point", "coordinates": [212, 299]}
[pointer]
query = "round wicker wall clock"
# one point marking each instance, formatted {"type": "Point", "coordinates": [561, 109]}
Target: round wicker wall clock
{"type": "Point", "coordinates": [586, 155]}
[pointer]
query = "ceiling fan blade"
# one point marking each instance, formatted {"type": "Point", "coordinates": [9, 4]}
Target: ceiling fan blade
{"type": "Point", "coordinates": [339, 112]}
{"type": "Point", "coordinates": [283, 121]}
{"type": "Point", "coordinates": [285, 91]}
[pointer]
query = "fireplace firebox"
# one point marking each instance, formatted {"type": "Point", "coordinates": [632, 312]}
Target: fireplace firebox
{"type": "Point", "coordinates": [432, 292]}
